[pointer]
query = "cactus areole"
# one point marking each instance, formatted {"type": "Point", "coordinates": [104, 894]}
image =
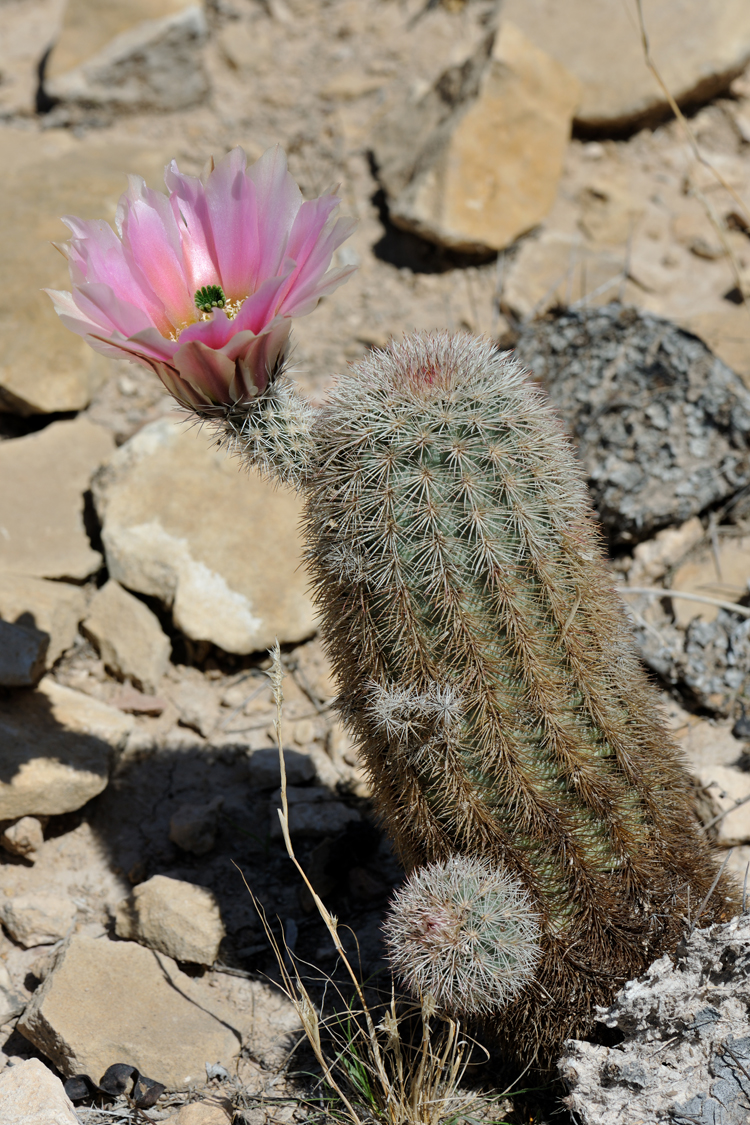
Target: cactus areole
{"type": "Point", "coordinates": [486, 665]}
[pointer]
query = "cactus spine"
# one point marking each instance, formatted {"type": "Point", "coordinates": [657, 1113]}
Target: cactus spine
{"type": "Point", "coordinates": [486, 665]}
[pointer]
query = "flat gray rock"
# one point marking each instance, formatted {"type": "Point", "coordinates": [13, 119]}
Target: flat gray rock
{"type": "Point", "coordinates": [30, 1094]}
{"type": "Point", "coordinates": [114, 1001]}
{"type": "Point", "coordinates": [42, 514]}
{"type": "Point", "coordinates": [183, 523]}
{"type": "Point", "coordinates": [56, 749]}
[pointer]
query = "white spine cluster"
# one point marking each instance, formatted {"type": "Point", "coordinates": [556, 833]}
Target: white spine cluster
{"type": "Point", "coordinates": [399, 710]}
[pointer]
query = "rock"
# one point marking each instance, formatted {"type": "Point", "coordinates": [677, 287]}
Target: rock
{"type": "Point", "coordinates": [698, 45]}
{"type": "Point", "coordinates": [54, 607]}
{"type": "Point", "coordinates": [37, 919]}
{"type": "Point", "coordinates": [11, 1004]}
{"type": "Point", "coordinates": [24, 837]}
{"type": "Point", "coordinates": [42, 515]}
{"type": "Point", "coordinates": [154, 64]}
{"type": "Point", "coordinates": [727, 787]}
{"type": "Point", "coordinates": [314, 820]}
{"type": "Point", "coordinates": [661, 426]}
{"type": "Point", "coordinates": [22, 655]}
{"type": "Point", "coordinates": [108, 1001]}
{"type": "Point", "coordinates": [43, 366]}
{"type": "Point", "coordinates": [128, 636]}
{"type": "Point", "coordinates": [28, 30]}
{"type": "Point", "coordinates": [698, 575]}
{"type": "Point", "coordinates": [654, 557]}
{"type": "Point", "coordinates": [197, 705]}
{"type": "Point", "coordinates": [477, 161]}
{"type": "Point", "coordinates": [194, 827]}
{"type": "Point", "coordinates": [173, 917]}
{"type": "Point", "coordinates": [727, 333]}
{"type": "Point", "coordinates": [30, 1094]}
{"type": "Point", "coordinates": [264, 769]}
{"type": "Point", "coordinates": [212, 1111]}
{"type": "Point", "coordinates": [314, 672]}
{"type": "Point", "coordinates": [553, 269]}
{"type": "Point", "coordinates": [685, 1050]}
{"type": "Point", "coordinates": [57, 745]}
{"type": "Point", "coordinates": [710, 658]}
{"type": "Point", "coordinates": [135, 702]}
{"type": "Point", "coordinates": [182, 522]}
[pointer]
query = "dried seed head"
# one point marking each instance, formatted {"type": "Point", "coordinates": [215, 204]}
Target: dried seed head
{"type": "Point", "coordinates": [464, 931]}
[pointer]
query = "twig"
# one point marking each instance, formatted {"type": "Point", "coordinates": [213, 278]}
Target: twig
{"type": "Point", "coordinates": [664, 592]}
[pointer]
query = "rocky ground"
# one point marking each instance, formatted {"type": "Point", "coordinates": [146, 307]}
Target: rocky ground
{"type": "Point", "coordinates": [142, 577]}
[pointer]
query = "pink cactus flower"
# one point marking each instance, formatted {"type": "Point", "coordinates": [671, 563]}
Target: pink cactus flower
{"type": "Point", "coordinates": [201, 285]}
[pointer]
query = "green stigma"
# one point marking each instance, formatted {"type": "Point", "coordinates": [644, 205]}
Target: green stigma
{"type": "Point", "coordinates": [210, 297]}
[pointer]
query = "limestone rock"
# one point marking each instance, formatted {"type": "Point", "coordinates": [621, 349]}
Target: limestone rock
{"type": "Point", "coordinates": [37, 919]}
{"type": "Point", "coordinates": [54, 607]}
{"type": "Point", "coordinates": [128, 636]}
{"type": "Point", "coordinates": [116, 1000]}
{"type": "Point", "coordinates": [194, 827]}
{"type": "Point", "coordinates": [22, 655]}
{"type": "Point", "coordinates": [42, 514]}
{"type": "Point", "coordinates": [56, 747]}
{"type": "Point", "coordinates": [265, 773]}
{"type": "Point", "coordinates": [11, 1004]}
{"type": "Point", "coordinates": [699, 46]}
{"type": "Point", "coordinates": [477, 161]}
{"type": "Point", "coordinates": [554, 268]}
{"type": "Point", "coordinates": [728, 788]}
{"type": "Point", "coordinates": [28, 30]}
{"type": "Point", "coordinates": [30, 1094]}
{"type": "Point", "coordinates": [211, 1111]}
{"type": "Point", "coordinates": [699, 575]}
{"type": "Point", "coordinates": [24, 837]}
{"type": "Point", "coordinates": [653, 558]}
{"type": "Point", "coordinates": [152, 64]}
{"type": "Point", "coordinates": [685, 1050]}
{"type": "Point", "coordinates": [43, 366]}
{"type": "Point", "coordinates": [197, 705]}
{"type": "Point", "coordinates": [173, 917]}
{"type": "Point", "coordinates": [183, 523]}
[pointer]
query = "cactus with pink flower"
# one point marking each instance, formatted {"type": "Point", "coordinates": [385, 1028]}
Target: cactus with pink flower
{"type": "Point", "coordinates": [514, 745]}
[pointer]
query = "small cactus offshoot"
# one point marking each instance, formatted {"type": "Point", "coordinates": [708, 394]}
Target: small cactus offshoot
{"type": "Point", "coordinates": [466, 932]}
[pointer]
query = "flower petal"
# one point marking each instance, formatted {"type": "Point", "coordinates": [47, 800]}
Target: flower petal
{"type": "Point", "coordinates": [191, 213]}
{"type": "Point", "coordinates": [95, 253]}
{"type": "Point", "coordinates": [205, 369]}
{"type": "Point", "coordinates": [309, 282]}
{"type": "Point", "coordinates": [151, 238]}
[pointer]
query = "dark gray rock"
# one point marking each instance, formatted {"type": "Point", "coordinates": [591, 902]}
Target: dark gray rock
{"type": "Point", "coordinates": [661, 425]}
{"type": "Point", "coordinates": [710, 659]}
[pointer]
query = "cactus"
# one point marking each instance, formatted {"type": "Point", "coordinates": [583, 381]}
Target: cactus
{"type": "Point", "coordinates": [485, 663]}
{"type": "Point", "coordinates": [465, 933]}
